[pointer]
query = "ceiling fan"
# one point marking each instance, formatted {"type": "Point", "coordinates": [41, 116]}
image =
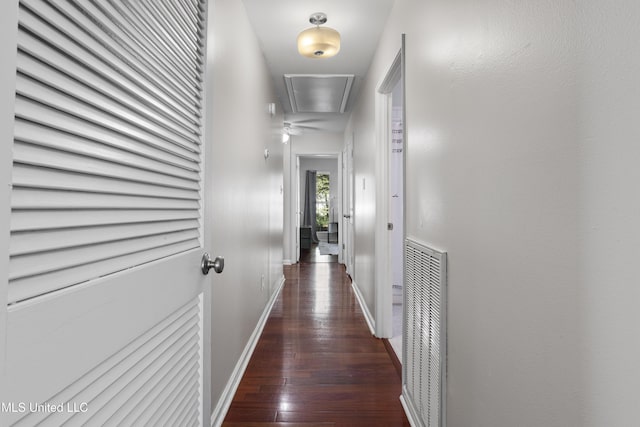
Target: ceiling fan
{"type": "Point", "coordinates": [298, 127]}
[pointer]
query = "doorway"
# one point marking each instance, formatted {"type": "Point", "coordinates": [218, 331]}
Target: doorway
{"type": "Point", "coordinates": [396, 215]}
{"type": "Point", "coordinates": [319, 207]}
{"type": "Point", "coordinates": [390, 233]}
{"type": "Point", "coordinates": [348, 249]}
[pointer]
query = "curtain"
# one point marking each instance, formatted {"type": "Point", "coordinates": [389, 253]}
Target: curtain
{"type": "Point", "coordinates": [309, 213]}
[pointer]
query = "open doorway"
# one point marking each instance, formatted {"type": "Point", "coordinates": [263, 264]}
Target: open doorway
{"type": "Point", "coordinates": [390, 233]}
{"type": "Point", "coordinates": [396, 215]}
{"type": "Point", "coordinates": [319, 204]}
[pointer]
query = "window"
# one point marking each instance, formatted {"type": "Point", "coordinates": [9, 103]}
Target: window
{"type": "Point", "coordinates": [323, 198]}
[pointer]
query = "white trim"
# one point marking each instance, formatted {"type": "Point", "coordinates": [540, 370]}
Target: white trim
{"type": "Point", "coordinates": [371, 323]}
{"type": "Point", "coordinates": [219, 413]}
{"type": "Point", "coordinates": [296, 212]}
{"type": "Point", "coordinates": [408, 411]}
{"type": "Point", "coordinates": [383, 108]}
{"type": "Point", "coordinates": [207, 241]}
{"type": "Point", "coordinates": [286, 262]}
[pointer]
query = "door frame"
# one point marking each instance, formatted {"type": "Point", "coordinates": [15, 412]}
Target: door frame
{"type": "Point", "coordinates": [383, 110]}
{"type": "Point", "coordinates": [296, 212]}
{"type": "Point", "coordinates": [348, 207]}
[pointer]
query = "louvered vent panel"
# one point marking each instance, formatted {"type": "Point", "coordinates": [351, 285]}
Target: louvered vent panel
{"type": "Point", "coordinates": [154, 380]}
{"type": "Point", "coordinates": [424, 364]}
{"type": "Point", "coordinates": [107, 139]}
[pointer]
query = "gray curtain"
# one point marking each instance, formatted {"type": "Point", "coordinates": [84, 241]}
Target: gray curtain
{"type": "Point", "coordinates": [309, 213]}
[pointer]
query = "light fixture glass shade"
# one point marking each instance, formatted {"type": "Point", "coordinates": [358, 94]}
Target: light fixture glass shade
{"type": "Point", "coordinates": [319, 42]}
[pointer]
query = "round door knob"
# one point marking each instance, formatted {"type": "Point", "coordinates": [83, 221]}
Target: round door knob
{"type": "Point", "coordinates": [207, 264]}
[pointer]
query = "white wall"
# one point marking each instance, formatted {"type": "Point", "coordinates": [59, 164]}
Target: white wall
{"type": "Point", "coordinates": [248, 201]}
{"type": "Point", "coordinates": [302, 145]}
{"type": "Point", "coordinates": [522, 147]}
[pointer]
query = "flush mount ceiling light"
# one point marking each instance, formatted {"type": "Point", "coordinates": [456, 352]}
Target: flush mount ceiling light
{"type": "Point", "coordinates": [318, 42]}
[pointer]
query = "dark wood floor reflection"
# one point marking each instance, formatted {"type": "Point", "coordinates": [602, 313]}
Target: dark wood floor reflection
{"type": "Point", "coordinates": [316, 363]}
{"type": "Point", "coordinates": [314, 255]}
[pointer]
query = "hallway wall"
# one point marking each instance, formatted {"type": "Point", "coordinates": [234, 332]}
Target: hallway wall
{"type": "Point", "coordinates": [522, 154]}
{"type": "Point", "coordinates": [247, 200]}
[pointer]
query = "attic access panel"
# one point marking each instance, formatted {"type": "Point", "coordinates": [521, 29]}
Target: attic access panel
{"type": "Point", "coordinates": [318, 93]}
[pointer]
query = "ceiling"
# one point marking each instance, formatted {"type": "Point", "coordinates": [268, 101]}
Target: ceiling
{"type": "Point", "coordinates": [277, 24]}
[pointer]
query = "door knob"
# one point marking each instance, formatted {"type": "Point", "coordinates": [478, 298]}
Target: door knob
{"type": "Point", "coordinates": [207, 264]}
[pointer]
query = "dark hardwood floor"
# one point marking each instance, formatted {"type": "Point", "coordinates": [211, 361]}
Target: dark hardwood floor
{"type": "Point", "coordinates": [313, 255]}
{"type": "Point", "coordinates": [316, 363]}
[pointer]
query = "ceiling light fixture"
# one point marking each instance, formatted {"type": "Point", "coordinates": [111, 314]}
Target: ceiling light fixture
{"type": "Point", "coordinates": [285, 136]}
{"type": "Point", "coordinates": [318, 42]}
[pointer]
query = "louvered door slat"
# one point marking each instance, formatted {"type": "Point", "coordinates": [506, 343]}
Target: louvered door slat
{"type": "Point", "coordinates": [184, 398]}
{"type": "Point", "coordinates": [28, 176]}
{"type": "Point", "coordinates": [27, 198]}
{"type": "Point", "coordinates": [149, 12]}
{"type": "Point", "coordinates": [149, 406]}
{"type": "Point", "coordinates": [115, 379]}
{"type": "Point", "coordinates": [58, 127]}
{"type": "Point", "coordinates": [193, 6]}
{"type": "Point", "coordinates": [128, 38]}
{"type": "Point", "coordinates": [49, 53]}
{"type": "Point", "coordinates": [96, 91]}
{"type": "Point", "coordinates": [190, 64]}
{"type": "Point", "coordinates": [128, 384]}
{"type": "Point", "coordinates": [39, 220]}
{"type": "Point", "coordinates": [173, 369]}
{"type": "Point", "coordinates": [82, 107]}
{"type": "Point", "coordinates": [189, 27]}
{"type": "Point", "coordinates": [190, 11]}
{"type": "Point", "coordinates": [170, 347]}
{"type": "Point", "coordinates": [165, 20]}
{"type": "Point", "coordinates": [156, 53]}
{"type": "Point", "coordinates": [181, 417]}
{"type": "Point", "coordinates": [32, 264]}
{"type": "Point", "coordinates": [43, 20]}
{"type": "Point", "coordinates": [80, 13]}
{"type": "Point", "coordinates": [158, 36]}
{"type": "Point", "coordinates": [28, 287]}
{"type": "Point", "coordinates": [109, 164]}
{"type": "Point", "coordinates": [54, 240]}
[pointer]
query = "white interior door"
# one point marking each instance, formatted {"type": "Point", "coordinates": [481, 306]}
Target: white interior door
{"type": "Point", "coordinates": [348, 210]}
{"type": "Point", "coordinates": [388, 253]}
{"type": "Point", "coordinates": [298, 212]}
{"type": "Point", "coordinates": [396, 197]}
{"type": "Point", "coordinates": [104, 296]}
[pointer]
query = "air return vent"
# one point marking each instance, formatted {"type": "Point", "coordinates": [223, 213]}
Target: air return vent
{"type": "Point", "coordinates": [424, 364]}
{"type": "Point", "coordinates": [318, 93]}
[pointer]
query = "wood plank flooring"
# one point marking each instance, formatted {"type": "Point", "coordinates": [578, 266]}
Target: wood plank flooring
{"type": "Point", "coordinates": [313, 255]}
{"type": "Point", "coordinates": [316, 363]}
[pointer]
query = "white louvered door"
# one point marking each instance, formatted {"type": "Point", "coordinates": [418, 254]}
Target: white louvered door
{"type": "Point", "coordinates": [104, 300]}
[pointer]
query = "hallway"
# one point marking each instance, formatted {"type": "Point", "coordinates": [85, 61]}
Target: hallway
{"type": "Point", "coordinates": [316, 363]}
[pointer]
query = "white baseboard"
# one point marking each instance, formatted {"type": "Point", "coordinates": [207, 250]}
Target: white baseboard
{"type": "Point", "coordinates": [286, 262]}
{"type": "Point", "coordinates": [365, 310]}
{"type": "Point", "coordinates": [409, 411]}
{"type": "Point", "coordinates": [217, 417]}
